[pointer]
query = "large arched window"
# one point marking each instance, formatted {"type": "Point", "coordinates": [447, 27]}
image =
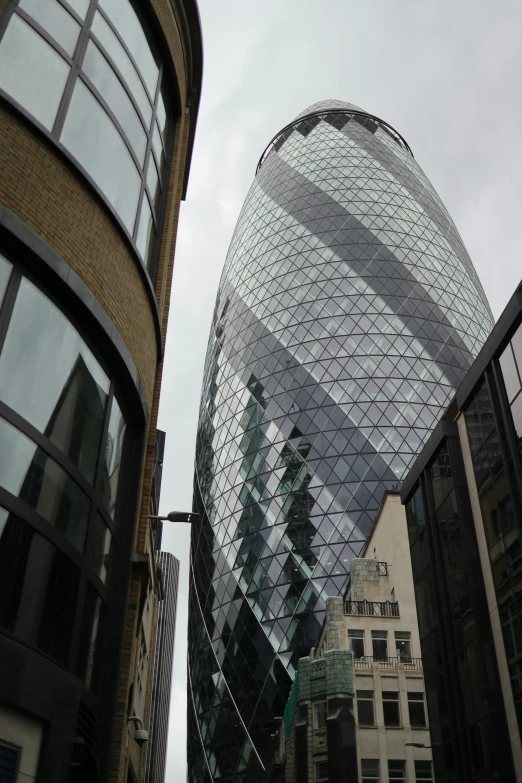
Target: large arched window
{"type": "Point", "coordinates": [87, 72]}
{"type": "Point", "coordinates": [64, 441]}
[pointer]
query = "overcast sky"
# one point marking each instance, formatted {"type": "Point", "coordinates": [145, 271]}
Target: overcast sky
{"type": "Point", "coordinates": [445, 73]}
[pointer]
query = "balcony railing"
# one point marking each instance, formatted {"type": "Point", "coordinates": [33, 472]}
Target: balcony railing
{"type": "Point", "coordinates": [388, 663]}
{"type": "Point", "coordinates": [372, 608]}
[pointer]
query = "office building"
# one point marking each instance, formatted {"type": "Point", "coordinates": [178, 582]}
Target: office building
{"type": "Point", "coordinates": [168, 566]}
{"type": "Point", "coordinates": [357, 708]}
{"type": "Point", "coordinates": [347, 314]}
{"type": "Point", "coordinates": [464, 506]}
{"type": "Point", "coordinates": [98, 107]}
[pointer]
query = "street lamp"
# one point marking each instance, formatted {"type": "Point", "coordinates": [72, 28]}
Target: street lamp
{"type": "Point", "coordinates": [417, 745]}
{"type": "Point", "coordinates": [177, 516]}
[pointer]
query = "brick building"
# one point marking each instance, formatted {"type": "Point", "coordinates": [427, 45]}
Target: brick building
{"type": "Point", "coordinates": [98, 107]}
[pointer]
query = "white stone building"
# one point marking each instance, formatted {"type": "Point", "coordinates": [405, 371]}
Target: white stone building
{"type": "Point", "coordinates": [377, 621]}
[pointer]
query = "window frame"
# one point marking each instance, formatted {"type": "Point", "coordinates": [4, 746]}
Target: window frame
{"type": "Point", "coordinates": [420, 699]}
{"type": "Point", "coordinates": [148, 265]}
{"type": "Point", "coordinates": [360, 636]}
{"type": "Point", "coordinates": [389, 700]}
{"type": "Point", "coordinates": [365, 699]}
{"type": "Point", "coordinates": [317, 713]}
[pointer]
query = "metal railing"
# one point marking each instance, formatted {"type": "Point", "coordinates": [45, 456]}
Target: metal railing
{"type": "Point", "coordinates": [372, 608]}
{"type": "Point", "coordinates": [383, 569]}
{"type": "Point", "coordinates": [388, 663]}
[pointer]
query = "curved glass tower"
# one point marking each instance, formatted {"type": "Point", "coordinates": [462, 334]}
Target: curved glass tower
{"type": "Point", "coordinates": [347, 313]}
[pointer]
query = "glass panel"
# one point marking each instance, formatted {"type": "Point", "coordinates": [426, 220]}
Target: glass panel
{"type": "Point", "coordinates": [126, 22]}
{"type": "Point", "coordinates": [153, 180]}
{"type": "Point", "coordinates": [80, 6]}
{"type": "Point", "coordinates": [396, 770]}
{"type": "Point", "coordinates": [145, 231]}
{"type": "Point", "coordinates": [92, 138]}
{"type": "Point", "coordinates": [423, 770]}
{"type": "Point", "coordinates": [56, 20]}
{"type": "Point", "coordinates": [50, 377]}
{"type": "Point", "coordinates": [390, 707]}
{"type": "Point", "coordinates": [161, 114]}
{"type": "Point", "coordinates": [416, 710]}
{"type": "Point", "coordinates": [365, 712]}
{"type": "Point", "coordinates": [370, 770]}
{"type": "Point", "coordinates": [5, 273]}
{"type": "Point", "coordinates": [509, 373]}
{"type": "Point", "coordinates": [30, 474]}
{"type": "Point", "coordinates": [380, 645]}
{"type": "Point", "coordinates": [321, 772]}
{"type": "Point", "coordinates": [88, 634]}
{"type": "Point", "coordinates": [319, 715]}
{"type": "Point", "coordinates": [38, 588]}
{"type": "Point", "coordinates": [15, 544]}
{"type": "Point", "coordinates": [403, 645]}
{"type": "Point", "coordinates": [356, 643]}
{"type": "Point", "coordinates": [516, 412]}
{"type": "Point", "coordinates": [100, 547]}
{"type": "Point", "coordinates": [31, 71]}
{"type": "Point", "coordinates": [113, 458]}
{"type": "Point", "coordinates": [105, 80]}
{"type": "Point", "coordinates": [59, 605]}
{"type": "Point", "coordinates": [157, 146]}
{"type": "Point", "coordinates": [115, 50]}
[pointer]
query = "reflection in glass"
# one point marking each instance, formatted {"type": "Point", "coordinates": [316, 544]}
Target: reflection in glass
{"type": "Point", "coordinates": [54, 18]}
{"type": "Point", "coordinates": [161, 114]}
{"type": "Point", "coordinates": [15, 543]}
{"type": "Point", "coordinates": [113, 457]}
{"type": "Point", "coordinates": [100, 545]}
{"type": "Point", "coordinates": [92, 138]}
{"type": "Point", "coordinates": [105, 80]}
{"type": "Point", "coordinates": [145, 230]}
{"type": "Point", "coordinates": [107, 38]}
{"type": "Point", "coordinates": [50, 377]}
{"type": "Point", "coordinates": [89, 636]}
{"type": "Point", "coordinates": [31, 475]}
{"type": "Point", "coordinates": [157, 145]}
{"type": "Point", "coordinates": [5, 272]}
{"type": "Point", "coordinates": [153, 180]}
{"type": "Point", "coordinates": [59, 604]}
{"type": "Point", "coordinates": [31, 71]}
{"type": "Point", "coordinates": [510, 374]}
{"type": "Point", "coordinates": [38, 588]}
{"type": "Point", "coordinates": [124, 18]}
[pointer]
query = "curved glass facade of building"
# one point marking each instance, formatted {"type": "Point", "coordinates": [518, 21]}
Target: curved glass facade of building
{"type": "Point", "coordinates": [347, 313]}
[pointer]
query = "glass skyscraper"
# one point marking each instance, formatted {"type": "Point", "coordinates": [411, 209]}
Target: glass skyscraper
{"type": "Point", "coordinates": [347, 313]}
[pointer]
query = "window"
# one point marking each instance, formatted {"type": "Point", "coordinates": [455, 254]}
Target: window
{"type": "Point", "coordinates": [511, 366]}
{"type": "Point", "coordinates": [38, 588]}
{"type": "Point", "coordinates": [416, 710]}
{"type": "Point", "coordinates": [31, 71]}
{"type": "Point", "coordinates": [365, 710]}
{"type": "Point", "coordinates": [321, 772]}
{"type": "Point", "coordinates": [110, 163]}
{"type": "Point", "coordinates": [56, 20]}
{"type": "Point", "coordinates": [49, 376]}
{"type": "Point", "coordinates": [396, 770]}
{"type": "Point", "coordinates": [380, 645]}
{"type": "Point", "coordinates": [319, 715]}
{"type": "Point", "coordinates": [390, 706]}
{"type": "Point", "coordinates": [370, 770]}
{"type": "Point", "coordinates": [356, 643]}
{"type": "Point", "coordinates": [28, 473]}
{"type": "Point", "coordinates": [5, 273]}
{"type": "Point", "coordinates": [403, 645]}
{"type": "Point", "coordinates": [114, 101]}
{"type": "Point", "coordinates": [423, 771]}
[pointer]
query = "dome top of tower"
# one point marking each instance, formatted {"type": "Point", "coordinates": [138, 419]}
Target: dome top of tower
{"type": "Point", "coordinates": [328, 105]}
